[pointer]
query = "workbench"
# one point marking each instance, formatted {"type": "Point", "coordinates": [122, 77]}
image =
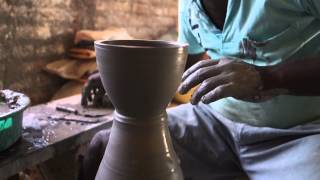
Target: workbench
{"type": "Point", "coordinates": [45, 139]}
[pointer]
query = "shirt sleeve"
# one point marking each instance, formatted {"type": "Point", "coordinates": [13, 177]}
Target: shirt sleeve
{"type": "Point", "coordinates": [185, 34]}
{"type": "Point", "coordinates": [312, 7]}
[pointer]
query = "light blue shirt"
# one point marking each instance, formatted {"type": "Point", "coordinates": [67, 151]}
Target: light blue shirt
{"type": "Point", "coordinates": [261, 32]}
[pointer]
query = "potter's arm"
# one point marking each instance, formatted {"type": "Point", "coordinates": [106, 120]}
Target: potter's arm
{"type": "Point", "coordinates": [301, 77]}
{"type": "Point", "coordinates": [231, 78]}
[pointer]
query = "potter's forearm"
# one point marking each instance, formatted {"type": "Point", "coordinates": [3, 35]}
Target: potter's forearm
{"type": "Point", "coordinates": [300, 77]}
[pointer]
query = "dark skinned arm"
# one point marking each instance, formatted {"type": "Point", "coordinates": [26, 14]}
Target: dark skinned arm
{"type": "Point", "coordinates": [235, 78]}
{"type": "Point", "coordinates": [299, 77]}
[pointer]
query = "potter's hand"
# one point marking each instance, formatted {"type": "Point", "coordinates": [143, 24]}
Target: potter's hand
{"type": "Point", "coordinates": [93, 93]}
{"type": "Point", "coordinates": [221, 79]}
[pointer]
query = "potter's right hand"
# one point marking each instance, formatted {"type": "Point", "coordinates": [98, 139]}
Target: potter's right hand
{"type": "Point", "coordinates": [93, 93]}
{"type": "Point", "coordinates": [227, 77]}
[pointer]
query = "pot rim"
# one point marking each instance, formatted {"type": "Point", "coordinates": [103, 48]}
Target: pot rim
{"type": "Point", "coordinates": [158, 44]}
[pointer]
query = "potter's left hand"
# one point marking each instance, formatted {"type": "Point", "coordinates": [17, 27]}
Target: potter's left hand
{"type": "Point", "coordinates": [221, 79]}
{"type": "Point", "coordinates": [93, 93]}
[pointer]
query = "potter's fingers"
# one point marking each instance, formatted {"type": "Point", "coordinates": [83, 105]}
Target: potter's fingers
{"type": "Point", "coordinates": [97, 100]}
{"type": "Point", "coordinates": [84, 95]}
{"type": "Point", "coordinates": [198, 77]}
{"type": "Point", "coordinates": [89, 91]}
{"type": "Point", "coordinates": [98, 97]}
{"type": "Point", "coordinates": [218, 93]}
{"type": "Point", "coordinates": [207, 86]}
{"type": "Point", "coordinates": [84, 101]}
{"type": "Point", "coordinates": [198, 65]}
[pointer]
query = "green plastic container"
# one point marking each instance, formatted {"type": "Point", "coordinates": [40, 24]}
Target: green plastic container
{"type": "Point", "coordinates": [11, 121]}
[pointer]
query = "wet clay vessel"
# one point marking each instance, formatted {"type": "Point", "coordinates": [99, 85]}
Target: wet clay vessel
{"type": "Point", "coordinates": [140, 77]}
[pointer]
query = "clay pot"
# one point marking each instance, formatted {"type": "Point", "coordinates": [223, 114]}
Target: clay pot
{"type": "Point", "coordinates": [140, 77]}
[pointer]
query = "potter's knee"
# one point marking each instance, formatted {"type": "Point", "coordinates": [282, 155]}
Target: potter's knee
{"type": "Point", "coordinates": [96, 149]}
{"type": "Point", "coordinates": [99, 140]}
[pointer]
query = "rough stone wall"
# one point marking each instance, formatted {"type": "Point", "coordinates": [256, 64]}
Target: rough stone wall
{"type": "Point", "coordinates": [35, 32]}
{"type": "Point", "coordinates": [142, 18]}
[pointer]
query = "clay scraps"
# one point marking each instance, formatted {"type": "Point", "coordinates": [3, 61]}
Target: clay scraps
{"type": "Point", "coordinates": [10, 99]}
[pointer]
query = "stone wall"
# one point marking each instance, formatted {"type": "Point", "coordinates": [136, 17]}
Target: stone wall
{"type": "Point", "coordinates": [35, 32]}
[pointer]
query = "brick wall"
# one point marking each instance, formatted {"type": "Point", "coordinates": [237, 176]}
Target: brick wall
{"type": "Point", "coordinates": [35, 32]}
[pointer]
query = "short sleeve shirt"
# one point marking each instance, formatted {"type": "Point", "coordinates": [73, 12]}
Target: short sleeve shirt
{"type": "Point", "coordinates": [263, 33]}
